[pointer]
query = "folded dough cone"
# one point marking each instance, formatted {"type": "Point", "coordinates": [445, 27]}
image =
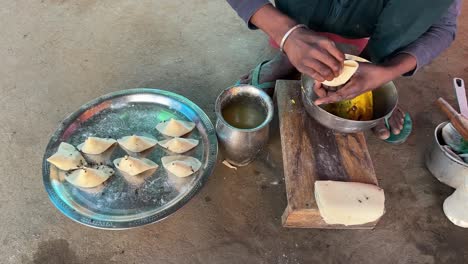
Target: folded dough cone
{"type": "Point", "coordinates": [98, 150]}
{"type": "Point", "coordinates": [180, 165]}
{"type": "Point", "coordinates": [349, 203]}
{"type": "Point", "coordinates": [360, 108]}
{"type": "Point", "coordinates": [179, 145]}
{"type": "Point", "coordinates": [134, 166]}
{"type": "Point", "coordinates": [134, 170]}
{"type": "Point", "coordinates": [175, 128]}
{"type": "Point", "coordinates": [88, 177]}
{"type": "Point", "coordinates": [136, 145]}
{"type": "Point", "coordinates": [96, 145]}
{"type": "Point", "coordinates": [67, 157]}
{"type": "Point", "coordinates": [350, 67]}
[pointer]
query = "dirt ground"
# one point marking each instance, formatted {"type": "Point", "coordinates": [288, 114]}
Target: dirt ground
{"type": "Point", "coordinates": [58, 54]}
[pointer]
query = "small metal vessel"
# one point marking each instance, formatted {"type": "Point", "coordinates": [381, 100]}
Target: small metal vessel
{"type": "Point", "coordinates": [446, 167]}
{"type": "Point", "coordinates": [240, 146]}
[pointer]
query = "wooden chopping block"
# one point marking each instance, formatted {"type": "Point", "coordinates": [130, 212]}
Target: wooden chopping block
{"type": "Point", "coordinates": [312, 152]}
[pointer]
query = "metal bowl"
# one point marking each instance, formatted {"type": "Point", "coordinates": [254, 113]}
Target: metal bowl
{"type": "Point", "coordinates": [441, 164]}
{"type": "Point", "coordinates": [385, 101]}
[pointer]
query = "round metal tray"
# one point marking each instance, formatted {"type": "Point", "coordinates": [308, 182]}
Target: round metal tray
{"type": "Point", "coordinates": [120, 205]}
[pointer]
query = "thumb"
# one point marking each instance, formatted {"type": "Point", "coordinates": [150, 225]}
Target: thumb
{"type": "Point", "coordinates": [330, 98]}
{"type": "Point", "coordinates": [319, 90]}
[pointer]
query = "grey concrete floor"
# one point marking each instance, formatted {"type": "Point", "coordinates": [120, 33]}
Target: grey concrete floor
{"type": "Point", "coordinates": [58, 54]}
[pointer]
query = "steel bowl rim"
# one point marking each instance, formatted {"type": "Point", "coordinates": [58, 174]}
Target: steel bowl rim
{"type": "Point", "coordinates": [439, 145]}
{"type": "Point", "coordinates": [367, 122]}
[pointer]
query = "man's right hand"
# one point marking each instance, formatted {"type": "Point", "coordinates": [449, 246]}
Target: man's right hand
{"type": "Point", "coordinates": [314, 55]}
{"type": "Point", "coordinates": [309, 52]}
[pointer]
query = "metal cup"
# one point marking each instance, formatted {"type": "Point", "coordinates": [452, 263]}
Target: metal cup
{"type": "Point", "coordinates": [240, 146]}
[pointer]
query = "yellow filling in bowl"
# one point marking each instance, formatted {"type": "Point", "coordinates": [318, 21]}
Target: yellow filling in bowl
{"type": "Point", "coordinates": [360, 108]}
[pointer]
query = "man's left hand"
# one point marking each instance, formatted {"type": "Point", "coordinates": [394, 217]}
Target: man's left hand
{"type": "Point", "coordinates": [368, 77]}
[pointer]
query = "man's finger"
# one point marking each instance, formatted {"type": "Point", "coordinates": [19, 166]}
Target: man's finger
{"type": "Point", "coordinates": [333, 50]}
{"type": "Point", "coordinates": [330, 98]}
{"type": "Point", "coordinates": [319, 90]}
{"type": "Point", "coordinates": [350, 90]}
{"type": "Point", "coordinates": [312, 73]}
{"type": "Point", "coordinates": [320, 68]}
{"type": "Point", "coordinates": [331, 62]}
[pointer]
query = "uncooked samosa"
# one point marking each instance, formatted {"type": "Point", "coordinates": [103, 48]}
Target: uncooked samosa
{"type": "Point", "coordinates": [175, 128]}
{"type": "Point", "coordinates": [134, 166]}
{"type": "Point", "coordinates": [179, 145]}
{"type": "Point", "coordinates": [350, 67]}
{"type": "Point", "coordinates": [67, 157]}
{"type": "Point", "coordinates": [96, 145]}
{"type": "Point", "coordinates": [88, 177]}
{"type": "Point", "coordinates": [180, 165]}
{"type": "Point", "coordinates": [137, 146]}
{"type": "Point", "coordinates": [135, 170]}
{"type": "Point", "coordinates": [98, 150]}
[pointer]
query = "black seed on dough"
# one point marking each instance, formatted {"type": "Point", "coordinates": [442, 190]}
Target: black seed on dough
{"type": "Point", "coordinates": [360, 201]}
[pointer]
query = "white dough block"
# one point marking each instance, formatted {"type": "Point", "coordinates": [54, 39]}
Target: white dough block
{"type": "Point", "coordinates": [349, 203]}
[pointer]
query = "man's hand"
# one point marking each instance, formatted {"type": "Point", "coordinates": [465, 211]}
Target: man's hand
{"type": "Point", "coordinates": [368, 77]}
{"type": "Point", "coordinates": [319, 58]}
{"type": "Point", "coordinates": [314, 55]}
{"type": "Point", "coordinates": [309, 52]}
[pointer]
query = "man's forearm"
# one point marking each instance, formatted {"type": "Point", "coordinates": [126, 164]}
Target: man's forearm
{"type": "Point", "coordinates": [271, 21]}
{"type": "Point", "coordinates": [399, 65]}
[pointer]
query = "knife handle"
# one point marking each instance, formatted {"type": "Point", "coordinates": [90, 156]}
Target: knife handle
{"type": "Point", "coordinates": [446, 108]}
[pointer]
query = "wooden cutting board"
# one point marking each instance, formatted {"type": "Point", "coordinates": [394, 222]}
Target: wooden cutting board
{"type": "Point", "coordinates": [312, 152]}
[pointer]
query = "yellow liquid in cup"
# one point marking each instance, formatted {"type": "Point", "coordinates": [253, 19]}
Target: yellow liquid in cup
{"type": "Point", "coordinates": [244, 113]}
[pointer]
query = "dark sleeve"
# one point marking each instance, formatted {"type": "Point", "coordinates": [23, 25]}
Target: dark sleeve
{"type": "Point", "coordinates": [246, 8]}
{"type": "Point", "coordinates": [435, 40]}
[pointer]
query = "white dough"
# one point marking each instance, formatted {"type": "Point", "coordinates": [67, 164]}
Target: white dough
{"type": "Point", "coordinates": [89, 177]}
{"type": "Point", "coordinates": [180, 165]}
{"type": "Point", "coordinates": [96, 145]}
{"type": "Point", "coordinates": [67, 157]}
{"type": "Point", "coordinates": [350, 67]}
{"type": "Point", "coordinates": [134, 166]}
{"type": "Point", "coordinates": [179, 145]}
{"type": "Point", "coordinates": [456, 205]}
{"type": "Point", "coordinates": [349, 203]}
{"type": "Point", "coordinates": [175, 128]}
{"type": "Point", "coordinates": [136, 143]}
